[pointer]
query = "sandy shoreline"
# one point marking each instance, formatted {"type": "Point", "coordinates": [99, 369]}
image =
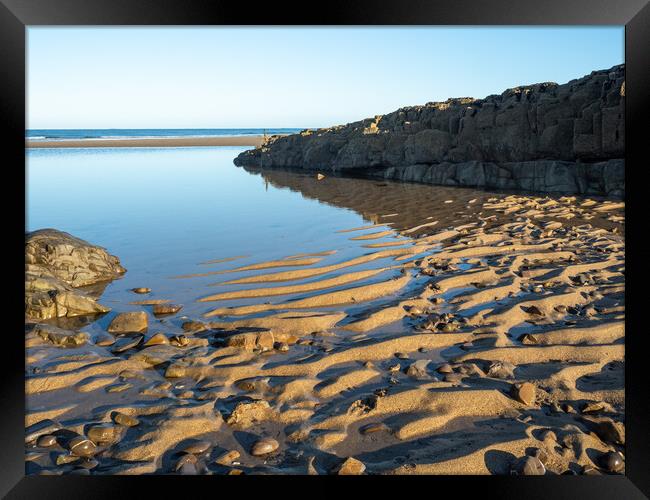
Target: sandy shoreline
{"type": "Point", "coordinates": [166, 142]}
{"type": "Point", "coordinates": [491, 344]}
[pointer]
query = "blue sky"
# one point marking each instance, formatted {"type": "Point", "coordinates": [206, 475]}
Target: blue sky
{"type": "Point", "coordinates": [212, 77]}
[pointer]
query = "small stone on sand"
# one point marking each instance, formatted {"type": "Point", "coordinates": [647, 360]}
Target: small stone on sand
{"type": "Point", "coordinates": [612, 461]}
{"type": "Point", "coordinates": [374, 427]}
{"type": "Point", "coordinates": [46, 441]}
{"type": "Point", "coordinates": [157, 339]}
{"type": "Point", "coordinates": [351, 467]}
{"type": "Point", "coordinates": [228, 457]}
{"type": "Point", "coordinates": [264, 446]}
{"type": "Point", "coordinates": [129, 322]}
{"type": "Point", "coordinates": [524, 393]}
{"type": "Point", "coordinates": [164, 309]}
{"type": "Point", "coordinates": [82, 447]}
{"type": "Point", "coordinates": [528, 466]}
{"type": "Point", "coordinates": [197, 447]}
{"type": "Point", "coordinates": [125, 420]}
{"type": "Point", "coordinates": [104, 433]}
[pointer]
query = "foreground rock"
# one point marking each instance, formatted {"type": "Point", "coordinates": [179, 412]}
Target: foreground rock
{"type": "Point", "coordinates": [545, 137]}
{"type": "Point", "coordinates": [59, 271]}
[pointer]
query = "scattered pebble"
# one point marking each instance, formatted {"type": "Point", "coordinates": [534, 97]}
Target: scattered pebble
{"type": "Point", "coordinates": [612, 461]}
{"type": "Point", "coordinates": [418, 369]}
{"type": "Point", "coordinates": [453, 378]}
{"type": "Point", "coordinates": [197, 447]}
{"type": "Point", "coordinates": [179, 340]}
{"type": "Point", "coordinates": [593, 407]}
{"type": "Point", "coordinates": [606, 429]}
{"type": "Point", "coordinates": [165, 309]}
{"type": "Point", "coordinates": [46, 441]}
{"type": "Point", "coordinates": [82, 447]}
{"type": "Point", "coordinates": [186, 465]}
{"type": "Point", "coordinates": [282, 346]}
{"type": "Point", "coordinates": [567, 408]}
{"type": "Point", "coordinates": [501, 369]}
{"type": "Point", "coordinates": [125, 420]}
{"type": "Point", "coordinates": [524, 392]}
{"type": "Point", "coordinates": [445, 368]}
{"type": "Point", "coordinates": [103, 433]}
{"type": "Point", "coordinates": [534, 310]}
{"type": "Point", "coordinates": [351, 467]}
{"type": "Point", "coordinates": [374, 427]}
{"type": "Point", "coordinates": [104, 340]}
{"type": "Point", "coordinates": [157, 339]}
{"type": "Point", "coordinates": [528, 466]}
{"type": "Point", "coordinates": [126, 343]}
{"type": "Point", "coordinates": [528, 339]}
{"type": "Point", "coordinates": [66, 458]}
{"type": "Point", "coordinates": [539, 454]}
{"type": "Point", "coordinates": [228, 457]}
{"type": "Point", "coordinates": [264, 446]}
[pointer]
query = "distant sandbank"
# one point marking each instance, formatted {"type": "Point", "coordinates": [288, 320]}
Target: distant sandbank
{"type": "Point", "coordinates": [169, 142]}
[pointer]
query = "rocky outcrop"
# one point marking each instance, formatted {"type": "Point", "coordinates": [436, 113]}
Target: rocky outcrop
{"type": "Point", "coordinates": [62, 274]}
{"type": "Point", "coordinates": [545, 137]}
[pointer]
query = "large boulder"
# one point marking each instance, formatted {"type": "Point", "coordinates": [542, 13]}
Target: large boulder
{"type": "Point", "coordinates": [71, 260]}
{"type": "Point", "coordinates": [60, 272]}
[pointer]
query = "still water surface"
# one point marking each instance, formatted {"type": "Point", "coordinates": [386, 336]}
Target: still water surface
{"type": "Point", "coordinates": [166, 211]}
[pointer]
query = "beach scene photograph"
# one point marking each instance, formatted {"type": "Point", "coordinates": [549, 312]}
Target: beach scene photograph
{"type": "Point", "coordinates": [325, 250]}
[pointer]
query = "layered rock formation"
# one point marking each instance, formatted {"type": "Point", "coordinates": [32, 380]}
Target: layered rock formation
{"type": "Point", "coordinates": [60, 272]}
{"type": "Point", "coordinates": [545, 137]}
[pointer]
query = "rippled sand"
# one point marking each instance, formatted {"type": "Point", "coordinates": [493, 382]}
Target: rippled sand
{"type": "Point", "coordinates": [410, 365]}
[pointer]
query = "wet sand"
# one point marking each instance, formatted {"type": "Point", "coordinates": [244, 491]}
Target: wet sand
{"type": "Point", "coordinates": [414, 366]}
{"type": "Point", "coordinates": [171, 142]}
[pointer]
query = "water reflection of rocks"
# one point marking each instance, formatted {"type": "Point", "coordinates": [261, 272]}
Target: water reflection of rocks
{"type": "Point", "coordinates": [406, 205]}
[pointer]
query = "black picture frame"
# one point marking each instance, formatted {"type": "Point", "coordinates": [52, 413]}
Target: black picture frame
{"type": "Point", "coordinates": [16, 15]}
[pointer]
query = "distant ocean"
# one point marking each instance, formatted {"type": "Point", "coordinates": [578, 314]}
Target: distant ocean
{"type": "Point", "coordinates": [128, 133]}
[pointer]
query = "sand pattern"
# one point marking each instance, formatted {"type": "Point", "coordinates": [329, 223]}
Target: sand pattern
{"type": "Point", "coordinates": [492, 335]}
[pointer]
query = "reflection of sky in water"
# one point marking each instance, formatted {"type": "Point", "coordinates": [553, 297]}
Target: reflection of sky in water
{"type": "Point", "coordinates": [163, 211]}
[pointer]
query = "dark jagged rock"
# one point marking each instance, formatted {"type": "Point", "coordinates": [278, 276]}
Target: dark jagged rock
{"type": "Point", "coordinates": [545, 137]}
{"type": "Point", "coordinates": [62, 274]}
